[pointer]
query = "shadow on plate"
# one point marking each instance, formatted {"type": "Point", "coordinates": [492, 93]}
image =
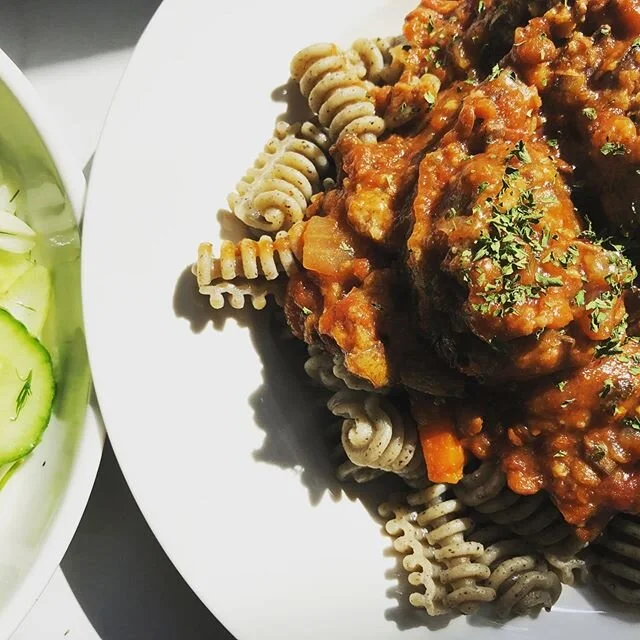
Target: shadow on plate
{"type": "Point", "coordinates": [121, 577]}
{"type": "Point", "coordinates": [299, 435]}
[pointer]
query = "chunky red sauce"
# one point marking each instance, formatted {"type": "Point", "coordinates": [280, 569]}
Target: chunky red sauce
{"type": "Point", "coordinates": [456, 257]}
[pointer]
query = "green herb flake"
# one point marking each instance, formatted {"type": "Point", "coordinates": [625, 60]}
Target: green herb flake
{"type": "Point", "coordinates": [560, 454]}
{"type": "Point", "coordinates": [481, 7]}
{"type": "Point", "coordinates": [590, 113]}
{"type": "Point", "coordinates": [613, 149]}
{"type": "Point", "coordinates": [553, 142]}
{"type": "Point", "coordinates": [306, 311]}
{"type": "Point", "coordinates": [561, 385]}
{"type": "Point", "coordinates": [429, 98]}
{"type": "Point", "coordinates": [548, 281]}
{"type": "Point", "coordinates": [495, 72]}
{"type": "Point", "coordinates": [482, 186]}
{"type": "Point", "coordinates": [566, 403]}
{"type": "Point", "coordinates": [607, 387]}
{"type": "Point", "coordinates": [636, 44]}
{"type": "Point", "coordinates": [23, 395]}
{"type": "Point", "coordinates": [633, 423]}
{"type": "Point", "coordinates": [520, 152]}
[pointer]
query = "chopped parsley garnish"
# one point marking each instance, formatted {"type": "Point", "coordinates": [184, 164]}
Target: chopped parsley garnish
{"type": "Point", "coordinates": [613, 149]}
{"type": "Point", "coordinates": [548, 281]}
{"type": "Point", "coordinates": [636, 44]}
{"type": "Point", "coordinates": [590, 113]}
{"type": "Point", "coordinates": [566, 403]}
{"type": "Point", "coordinates": [561, 385]}
{"type": "Point", "coordinates": [520, 152]}
{"type": "Point", "coordinates": [579, 298]}
{"type": "Point", "coordinates": [306, 311]}
{"type": "Point", "coordinates": [553, 142]}
{"type": "Point", "coordinates": [560, 454]}
{"type": "Point", "coordinates": [613, 344]}
{"type": "Point", "coordinates": [598, 307]}
{"type": "Point", "coordinates": [482, 187]}
{"type": "Point", "coordinates": [607, 387]}
{"type": "Point", "coordinates": [495, 72]}
{"type": "Point", "coordinates": [634, 423]}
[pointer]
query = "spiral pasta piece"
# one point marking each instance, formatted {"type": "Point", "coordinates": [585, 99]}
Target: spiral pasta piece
{"type": "Point", "coordinates": [379, 56]}
{"type": "Point", "coordinates": [617, 561]}
{"type": "Point", "coordinates": [446, 522]}
{"type": "Point", "coordinates": [275, 192]}
{"type": "Point", "coordinates": [419, 560]}
{"type": "Point", "coordinates": [532, 517]}
{"type": "Point", "coordinates": [346, 471]}
{"type": "Point", "coordinates": [248, 259]}
{"type": "Point", "coordinates": [319, 367]}
{"type": "Point", "coordinates": [520, 577]}
{"type": "Point", "coordinates": [238, 291]}
{"type": "Point", "coordinates": [333, 83]}
{"type": "Point", "coordinates": [375, 435]}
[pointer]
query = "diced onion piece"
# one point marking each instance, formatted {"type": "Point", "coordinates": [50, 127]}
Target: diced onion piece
{"type": "Point", "coordinates": [326, 247]}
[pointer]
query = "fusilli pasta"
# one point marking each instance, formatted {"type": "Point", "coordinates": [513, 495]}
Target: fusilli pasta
{"type": "Point", "coordinates": [531, 517]}
{"type": "Point", "coordinates": [375, 435]}
{"type": "Point", "coordinates": [275, 192]}
{"type": "Point", "coordinates": [423, 570]}
{"type": "Point", "coordinates": [617, 562]}
{"type": "Point", "coordinates": [345, 469]}
{"type": "Point", "coordinates": [522, 581]}
{"type": "Point", "coordinates": [248, 259]}
{"type": "Point", "coordinates": [447, 522]}
{"type": "Point", "coordinates": [239, 290]}
{"type": "Point", "coordinates": [379, 56]}
{"type": "Point", "coordinates": [333, 83]}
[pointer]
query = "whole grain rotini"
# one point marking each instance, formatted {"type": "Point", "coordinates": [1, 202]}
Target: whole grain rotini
{"type": "Point", "coordinates": [275, 192]}
{"type": "Point", "coordinates": [447, 523]}
{"type": "Point", "coordinates": [380, 57]}
{"type": "Point", "coordinates": [532, 517]}
{"type": "Point", "coordinates": [424, 572]}
{"type": "Point", "coordinates": [376, 435]}
{"type": "Point", "coordinates": [333, 83]}
{"type": "Point", "coordinates": [235, 293]}
{"type": "Point", "coordinates": [617, 559]}
{"type": "Point", "coordinates": [248, 259]}
{"type": "Point", "coordinates": [519, 575]}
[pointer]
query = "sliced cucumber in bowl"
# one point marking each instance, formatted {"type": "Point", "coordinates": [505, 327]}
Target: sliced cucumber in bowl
{"type": "Point", "coordinates": [27, 389]}
{"type": "Point", "coordinates": [27, 299]}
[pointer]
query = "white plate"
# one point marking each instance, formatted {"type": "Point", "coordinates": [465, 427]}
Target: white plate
{"type": "Point", "coordinates": [42, 503]}
{"type": "Point", "coordinates": [215, 430]}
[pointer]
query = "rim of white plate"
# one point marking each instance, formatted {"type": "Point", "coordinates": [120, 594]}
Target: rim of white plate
{"type": "Point", "coordinates": [91, 442]}
{"type": "Point", "coordinates": [123, 80]}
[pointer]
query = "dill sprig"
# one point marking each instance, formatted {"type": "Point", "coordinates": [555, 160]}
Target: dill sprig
{"type": "Point", "coordinates": [23, 395]}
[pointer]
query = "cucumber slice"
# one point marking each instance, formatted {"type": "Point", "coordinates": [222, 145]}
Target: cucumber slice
{"type": "Point", "coordinates": [27, 300]}
{"type": "Point", "coordinates": [12, 266]}
{"type": "Point", "coordinates": [27, 389]}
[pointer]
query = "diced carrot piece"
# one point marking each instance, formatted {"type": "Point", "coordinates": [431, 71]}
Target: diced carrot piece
{"type": "Point", "coordinates": [442, 450]}
{"type": "Point", "coordinates": [326, 246]}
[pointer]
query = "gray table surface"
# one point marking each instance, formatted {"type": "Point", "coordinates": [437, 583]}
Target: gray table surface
{"type": "Point", "coordinates": [74, 52]}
